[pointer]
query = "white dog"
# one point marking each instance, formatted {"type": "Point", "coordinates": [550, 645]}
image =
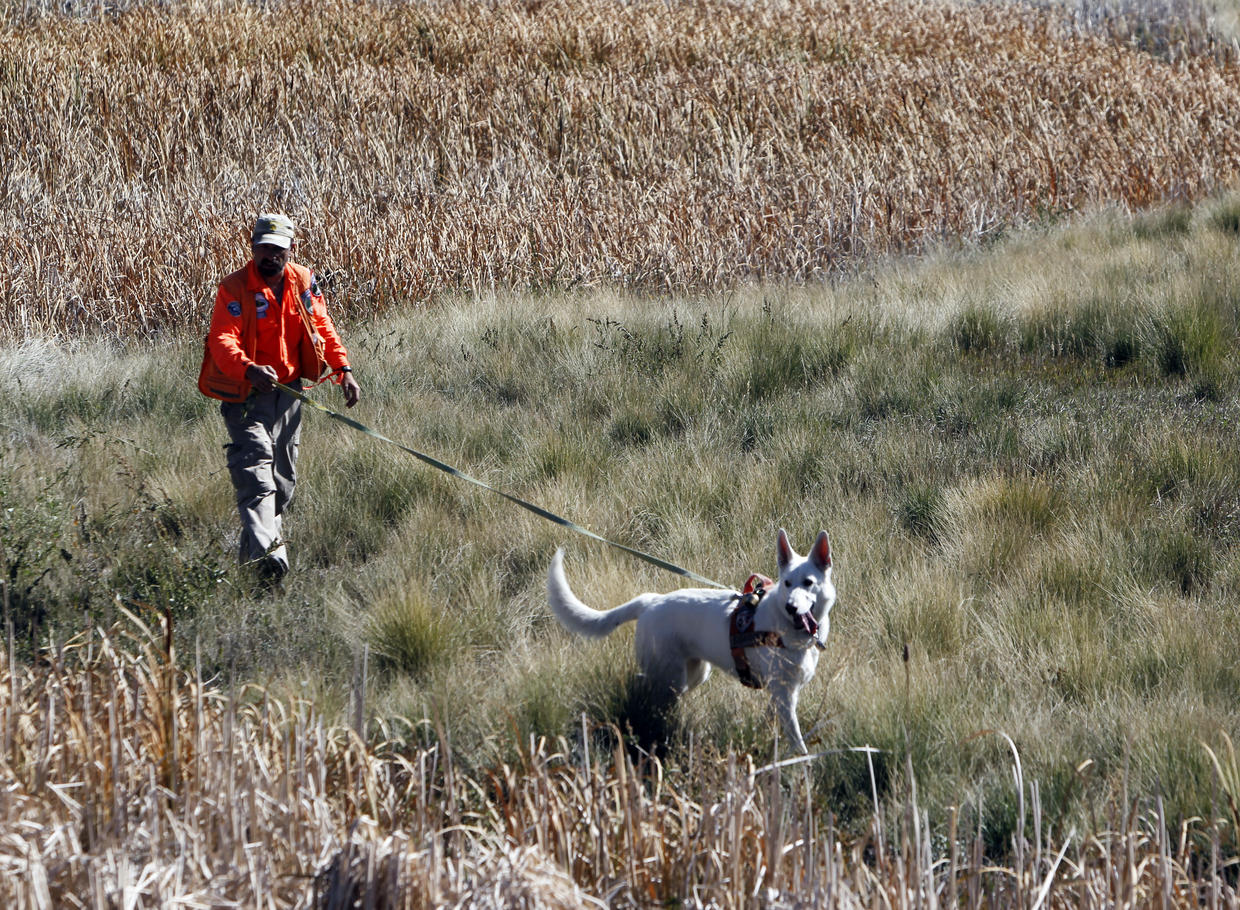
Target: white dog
{"type": "Point", "coordinates": [679, 635]}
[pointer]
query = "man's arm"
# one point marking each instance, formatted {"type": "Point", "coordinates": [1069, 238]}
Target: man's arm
{"type": "Point", "coordinates": [224, 336]}
{"type": "Point", "coordinates": [333, 348]}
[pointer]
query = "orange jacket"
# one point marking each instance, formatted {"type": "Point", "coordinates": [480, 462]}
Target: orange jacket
{"type": "Point", "coordinates": [294, 335]}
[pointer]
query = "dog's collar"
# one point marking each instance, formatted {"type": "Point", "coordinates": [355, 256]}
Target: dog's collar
{"type": "Point", "coordinates": [742, 635]}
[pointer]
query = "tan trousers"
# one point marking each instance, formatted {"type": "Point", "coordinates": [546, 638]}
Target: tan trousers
{"type": "Point", "coordinates": [262, 461]}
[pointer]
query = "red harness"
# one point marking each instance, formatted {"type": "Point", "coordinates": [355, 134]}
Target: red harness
{"type": "Point", "coordinates": [742, 634]}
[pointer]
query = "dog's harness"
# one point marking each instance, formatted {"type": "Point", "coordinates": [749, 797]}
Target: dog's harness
{"type": "Point", "coordinates": [742, 634]}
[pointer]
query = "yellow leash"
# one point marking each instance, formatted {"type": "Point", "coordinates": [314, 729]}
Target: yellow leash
{"type": "Point", "coordinates": [529, 506]}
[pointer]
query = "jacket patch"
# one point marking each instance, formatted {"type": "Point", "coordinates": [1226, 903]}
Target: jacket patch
{"type": "Point", "coordinates": [234, 308]}
{"type": "Point", "coordinates": [260, 301]}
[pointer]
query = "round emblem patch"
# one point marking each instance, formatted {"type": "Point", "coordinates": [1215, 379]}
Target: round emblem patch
{"type": "Point", "coordinates": [234, 308]}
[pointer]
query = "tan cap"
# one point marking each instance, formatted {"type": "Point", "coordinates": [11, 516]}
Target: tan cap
{"type": "Point", "coordinates": [274, 229]}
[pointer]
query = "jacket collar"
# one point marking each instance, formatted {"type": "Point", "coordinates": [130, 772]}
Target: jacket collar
{"type": "Point", "coordinates": [255, 282]}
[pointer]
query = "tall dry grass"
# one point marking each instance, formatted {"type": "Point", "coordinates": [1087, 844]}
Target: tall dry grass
{"type": "Point", "coordinates": [129, 780]}
{"type": "Point", "coordinates": [528, 144]}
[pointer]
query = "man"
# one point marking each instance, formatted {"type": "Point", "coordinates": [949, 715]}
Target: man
{"type": "Point", "coordinates": [270, 324]}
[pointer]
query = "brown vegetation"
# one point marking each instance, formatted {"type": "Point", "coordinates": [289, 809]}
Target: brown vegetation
{"type": "Point", "coordinates": [654, 145]}
{"type": "Point", "coordinates": [128, 779]}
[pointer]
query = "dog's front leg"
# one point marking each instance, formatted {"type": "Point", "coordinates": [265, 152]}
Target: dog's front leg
{"type": "Point", "coordinates": [824, 629]}
{"type": "Point", "coordinates": [784, 701]}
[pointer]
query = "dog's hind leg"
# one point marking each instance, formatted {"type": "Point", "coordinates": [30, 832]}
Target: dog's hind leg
{"type": "Point", "coordinates": [669, 676]}
{"type": "Point", "coordinates": [662, 662]}
{"type": "Point", "coordinates": [696, 673]}
{"type": "Point", "coordinates": [651, 713]}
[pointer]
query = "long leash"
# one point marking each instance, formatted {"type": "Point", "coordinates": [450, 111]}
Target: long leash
{"type": "Point", "coordinates": [529, 506]}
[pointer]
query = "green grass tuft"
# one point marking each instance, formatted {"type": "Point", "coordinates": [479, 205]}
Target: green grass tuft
{"type": "Point", "coordinates": [410, 633]}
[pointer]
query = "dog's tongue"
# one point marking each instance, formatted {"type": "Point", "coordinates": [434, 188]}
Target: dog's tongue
{"type": "Point", "coordinates": [808, 624]}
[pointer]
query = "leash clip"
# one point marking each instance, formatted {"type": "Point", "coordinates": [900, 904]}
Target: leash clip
{"type": "Point", "coordinates": [754, 590]}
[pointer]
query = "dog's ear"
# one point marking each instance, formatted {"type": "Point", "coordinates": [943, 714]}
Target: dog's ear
{"type": "Point", "coordinates": [783, 550]}
{"type": "Point", "coordinates": [820, 555]}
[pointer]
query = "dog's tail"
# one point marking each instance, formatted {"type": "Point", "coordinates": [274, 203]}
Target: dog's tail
{"type": "Point", "coordinates": [579, 618]}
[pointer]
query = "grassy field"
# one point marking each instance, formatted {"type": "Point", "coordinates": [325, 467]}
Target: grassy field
{"type": "Point", "coordinates": [1024, 456]}
{"type": "Point", "coordinates": [955, 283]}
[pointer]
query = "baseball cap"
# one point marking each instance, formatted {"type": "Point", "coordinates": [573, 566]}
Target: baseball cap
{"type": "Point", "coordinates": [274, 229]}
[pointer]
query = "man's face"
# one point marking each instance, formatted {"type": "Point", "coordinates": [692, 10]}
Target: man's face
{"type": "Point", "coordinates": [270, 259]}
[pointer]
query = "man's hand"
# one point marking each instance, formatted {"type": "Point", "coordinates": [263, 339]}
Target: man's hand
{"type": "Point", "coordinates": [352, 391]}
{"type": "Point", "coordinates": [261, 377]}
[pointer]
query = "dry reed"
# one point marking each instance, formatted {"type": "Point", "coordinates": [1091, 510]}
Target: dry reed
{"type": "Point", "coordinates": [533, 144]}
{"type": "Point", "coordinates": [130, 781]}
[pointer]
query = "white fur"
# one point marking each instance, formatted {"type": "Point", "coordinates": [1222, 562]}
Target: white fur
{"type": "Point", "coordinates": [682, 633]}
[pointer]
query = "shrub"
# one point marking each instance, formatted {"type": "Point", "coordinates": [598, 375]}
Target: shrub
{"type": "Point", "coordinates": [1191, 339]}
{"type": "Point", "coordinates": [411, 633]}
{"type": "Point", "coordinates": [978, 330]}
{"type": "Point", "coordinates": [920, 510]}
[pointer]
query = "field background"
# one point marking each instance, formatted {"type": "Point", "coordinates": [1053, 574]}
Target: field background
{"type": "Point", "coordinates": [956, 283]}
{"type": "Point", "coordinates": [552, 145]}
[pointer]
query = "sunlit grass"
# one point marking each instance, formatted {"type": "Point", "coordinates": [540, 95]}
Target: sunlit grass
{"type": "Point", "coordinates": [1041, 525]}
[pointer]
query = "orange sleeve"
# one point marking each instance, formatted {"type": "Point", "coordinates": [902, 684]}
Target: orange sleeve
{"type": "Point", "coordinates": [334, 351]}
{"type": "Point", "coordinates": [224, 336]}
